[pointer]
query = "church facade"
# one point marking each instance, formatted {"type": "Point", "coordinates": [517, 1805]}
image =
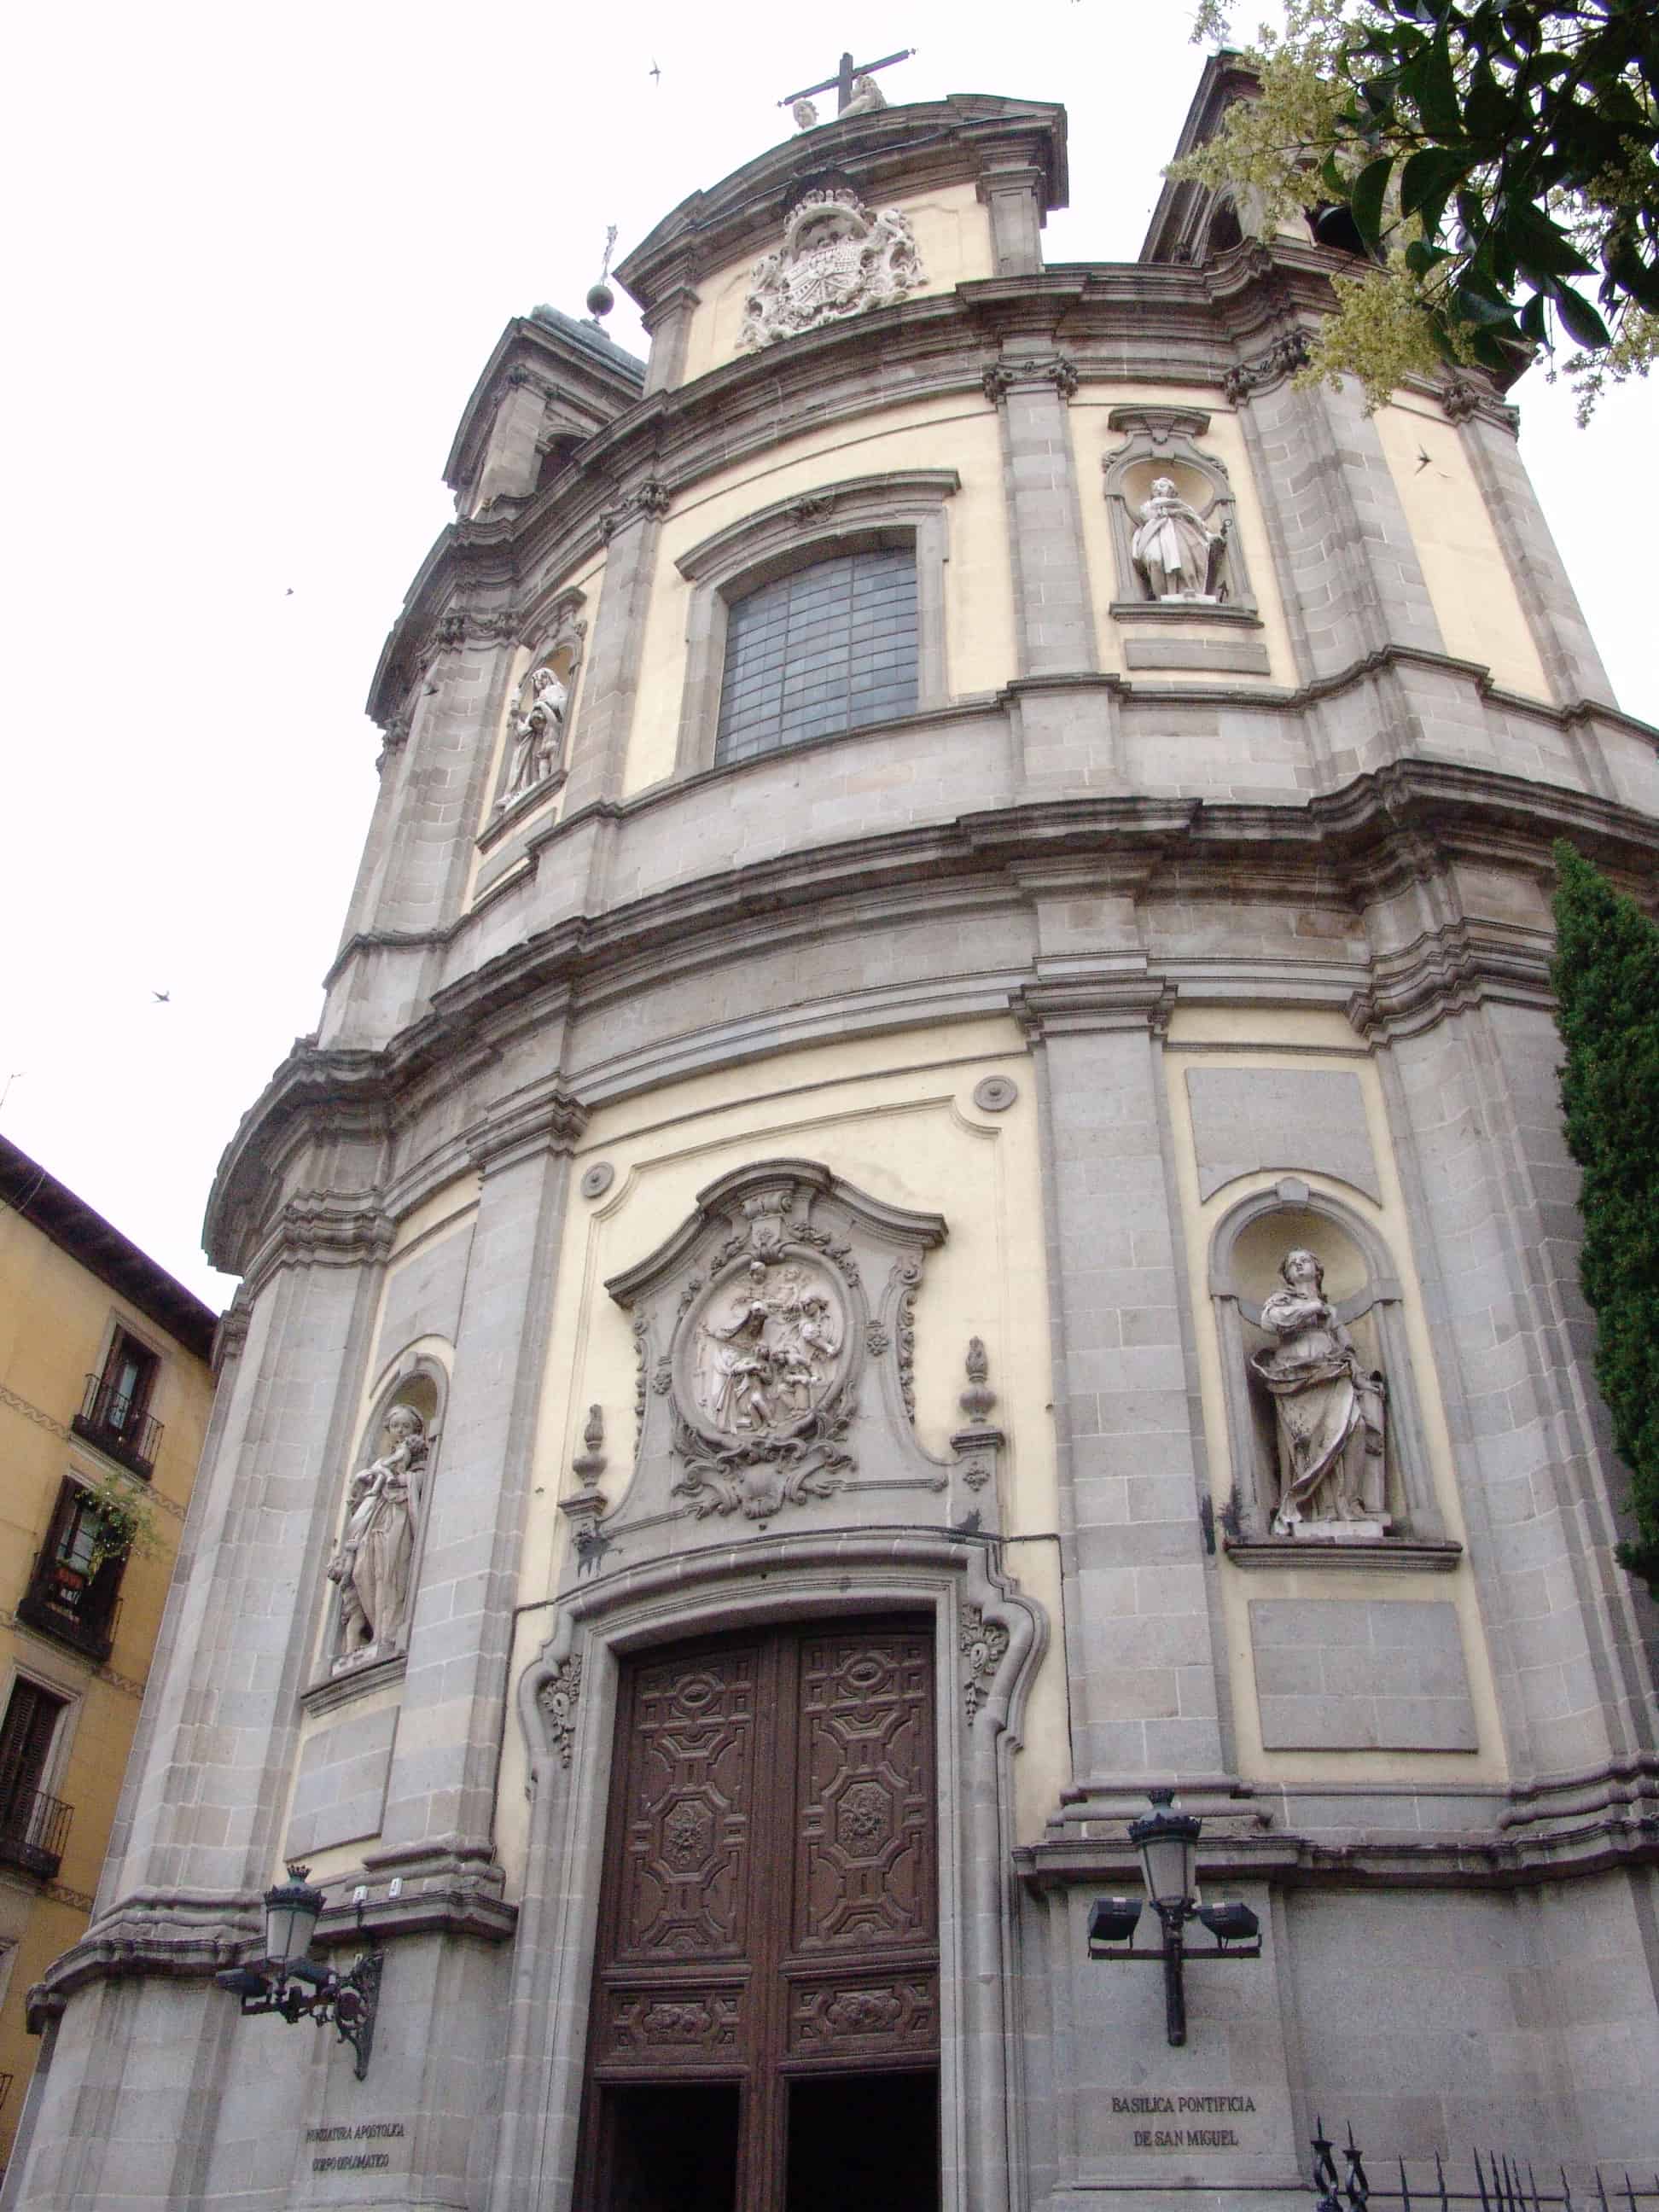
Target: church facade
{"type": "Point", "coordinates": [930, 1199]}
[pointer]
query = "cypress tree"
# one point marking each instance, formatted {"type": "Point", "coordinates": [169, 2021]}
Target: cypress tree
{"type": "Point", "coordinates": [1605, 976]}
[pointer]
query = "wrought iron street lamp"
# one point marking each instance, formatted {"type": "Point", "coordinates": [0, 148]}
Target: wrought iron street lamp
{"type": "Point", "coordinates": [294, 1985]}
{"type": "Point", "coordinates": [1168, 1844]}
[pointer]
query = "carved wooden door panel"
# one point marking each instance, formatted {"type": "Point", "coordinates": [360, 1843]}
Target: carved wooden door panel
{"type": "Point", "coordinates": [769, 1915]}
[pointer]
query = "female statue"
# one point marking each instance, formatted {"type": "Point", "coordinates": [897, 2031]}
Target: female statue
{"type": "Point", "coordinates": [371, 1565]}
{"type": "Point", "coordinates": [1328, 1409]}
{"type": "Point", "coordinates": [1176, 555]}
{"type": "Point", "coordinates": [537, 735]}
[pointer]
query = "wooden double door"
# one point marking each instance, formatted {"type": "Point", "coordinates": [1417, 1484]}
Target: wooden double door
{"type": "Point", "coordinates": [764, 2026]}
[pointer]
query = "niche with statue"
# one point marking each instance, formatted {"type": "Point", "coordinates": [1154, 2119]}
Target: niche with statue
{"type": "Point", "coordinates": [1174, 518]}
{"type": "Point", "coordinates": [372, 1569]}
{"type": "Point", "coordinates": [536, 753]}
{"type": "Point", "coordinates": [1326, 1438]}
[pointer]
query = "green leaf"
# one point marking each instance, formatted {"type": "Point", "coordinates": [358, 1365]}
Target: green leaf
{"type": "Point", "coordinates": [1584, 326]}
{"type": "Point", "coordinates": [1484, 308]}
{"type": "Point", "coordinates": [1366, 199]}
{"type": "Point", "coordinates": [1538, 244]}
{"type": "Point", "coordinates": [1436, 90]}
{"type": "Point", "coordinates": [1427, 181]}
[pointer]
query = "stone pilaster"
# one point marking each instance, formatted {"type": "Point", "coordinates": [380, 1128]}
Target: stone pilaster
{"type": "Point", "coordinates": [1054, 606]}
{"type": "Point", "coordinates": [441, 1796]}
{"type": "Point", "coordinates": [1139, 1651]}
{"type": "Point", "coordinates": [1476, 1101]}
{"type": "Point", "coordinates": [599, 748]}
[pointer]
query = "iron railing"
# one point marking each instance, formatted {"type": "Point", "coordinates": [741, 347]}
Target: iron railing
{"type": "Point", "coordinates": [1503, 2183]}
{"type": "Point", "coordinates": [34, 1829]}
{"type": "Point", "coordinates": [113, 1420]}
{"type": "Point", "coordinates": [62, 1601]}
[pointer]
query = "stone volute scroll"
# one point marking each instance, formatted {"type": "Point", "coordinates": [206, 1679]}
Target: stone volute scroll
{"type": "Point", "coordinates": [1174, 518]}
{"type": "Point", "coordinates": [838, 257]}
{"type": "Point", "coordinates": [1330, 1463]}
{"type": "Point", "coordinates": [372, 1567]}
{"type": "Point", "coordinates": [775, 1335]}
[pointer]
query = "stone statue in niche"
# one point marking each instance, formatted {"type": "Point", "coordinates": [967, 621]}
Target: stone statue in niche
{"type": "Point", "coordinates": [1328, 1412]}
{"type": "Point", "coordinates": [538, 733]}
{"type": "Point", "coordinates": [837, 258]}
{"type": "Point", "coordinates": [767, 1352]}
{"type": "Point", "coordinates": [1176, 554]}
{"type": "Point", "coordinates": [376, 1554]}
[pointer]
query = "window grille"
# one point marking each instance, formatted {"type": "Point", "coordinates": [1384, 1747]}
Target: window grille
{"type": "Point", "coordinates": [827, 648]}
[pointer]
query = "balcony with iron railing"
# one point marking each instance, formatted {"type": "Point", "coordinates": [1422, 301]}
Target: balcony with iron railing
{"type": "Point", "coordinates": [34, 1830]}
{"type": "Point", "coordinates": [78, 1609]}
{"type": "Point", "coordinates": [113, 1420]}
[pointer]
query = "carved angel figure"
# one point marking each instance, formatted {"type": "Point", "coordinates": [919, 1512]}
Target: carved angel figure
{"type": "Point", "coordinates": [1176, 555]}
{"type": "Point", "coordinates": [867, 97]}
{"type": "Point", "coordinates": [1329, 1412]}
{"type": "Point", "coordinates": [376, 1552]}
{"type": "Point", "coordinates": [837, 258]}
{"type": "Point", "coordinates": [537, 734]}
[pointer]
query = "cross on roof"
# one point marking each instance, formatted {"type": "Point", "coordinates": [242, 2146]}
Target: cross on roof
{"type": "Point", "coordinates": [842, 82]}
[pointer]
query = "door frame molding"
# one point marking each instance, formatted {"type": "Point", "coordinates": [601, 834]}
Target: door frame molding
{"type": "Point", "coordinates": [981, 1682]}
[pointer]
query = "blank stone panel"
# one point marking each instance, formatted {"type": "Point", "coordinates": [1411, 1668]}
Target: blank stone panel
{"type": "Point", "coordinates": [340, 1795]}
{"type": "Point", "coordinates": [1299, 1119]}
{"type": "Point", "coordinates": [423, 1293]}
{"type": "Point", "coordinates": [1350, 1675]}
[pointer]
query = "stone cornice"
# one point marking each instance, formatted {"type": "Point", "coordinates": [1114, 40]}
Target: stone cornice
{"type": "Point", "coordinates": [895, 151]}
{"type": "Point", "coordinates": [191, 1935]}
{"type": "Point", "coordinates": [1403, 823]}
{"type": "Point", "coordinates": [1126, 322]}
{"type": "Point", "coordinates": [1547, 1832]}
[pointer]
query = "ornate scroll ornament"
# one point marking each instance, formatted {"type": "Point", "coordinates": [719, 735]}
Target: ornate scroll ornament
{"type": "Point", "coordinates": [1005, 376]}
{"type": "Point", "coordinates": [984, 1645]}
{"type": "Point", "coordinates": [651, 499]}
{"type": "Point", "coordinates": [1283, 358]}
{"type": "Point", "coordinates": [837, 259]}
{"type": "Point", "coordinates": [773, 1334]}
{"type": "Point", "coordinates": [558, 1697]}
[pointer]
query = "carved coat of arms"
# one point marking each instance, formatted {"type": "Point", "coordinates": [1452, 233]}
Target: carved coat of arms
{"type": "Point", "coordinates": [837, 258]}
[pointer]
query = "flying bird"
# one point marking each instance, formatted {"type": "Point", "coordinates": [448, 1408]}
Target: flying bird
{"type": "Point", "coordinates": [162, 998]}
{"type": "Point", "coordinates": [1422, 460]}
{"type": "Point", "coordinates": [654, 73]}
{"type": "Point", "coordinates": [290, 591]}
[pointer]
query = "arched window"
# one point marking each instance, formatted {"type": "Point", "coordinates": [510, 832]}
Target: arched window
{"type": "Point", "coordinates": [818, 614]}
{"type": "Point", "coordinates": [828, 647]}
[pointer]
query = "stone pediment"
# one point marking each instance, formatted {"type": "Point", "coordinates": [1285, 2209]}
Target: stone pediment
{"type": "Point", "coordinates": [774, 1334]}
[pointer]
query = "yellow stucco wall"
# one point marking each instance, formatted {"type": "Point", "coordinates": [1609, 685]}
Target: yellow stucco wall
{"type": "Point", "coordinates": [953, 244]}
{"type": "Point", "coordinates": [894, 1116]}
{"type": "Point", "coordinates": [1093, 444]}
{"type": "Point", "coordinates": [1301, 1039]}
{"type": "Point", "coordinates": [980, 652]}
{"type": "Point", "coordinates": [1469, 579]}
{"type": "Point", "coordinates": [56, 1322]}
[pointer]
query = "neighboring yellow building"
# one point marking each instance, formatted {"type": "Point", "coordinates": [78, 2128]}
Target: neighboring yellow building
{"type": "Point", "coordinates": [104, 1390]}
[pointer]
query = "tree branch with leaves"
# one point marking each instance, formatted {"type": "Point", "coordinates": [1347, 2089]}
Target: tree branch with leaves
{"type": "Point", "coordinates": [1499, 158]}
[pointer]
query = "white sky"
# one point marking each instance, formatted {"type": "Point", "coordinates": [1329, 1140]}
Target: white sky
{"type": "Point", "coordinates": [257, 256]}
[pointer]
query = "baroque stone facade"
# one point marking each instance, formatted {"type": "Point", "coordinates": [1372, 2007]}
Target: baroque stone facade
{"type": "Point", "coordinates": [1155, 1002]}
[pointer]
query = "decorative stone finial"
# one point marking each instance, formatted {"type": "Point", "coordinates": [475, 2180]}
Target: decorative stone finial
{"type": "Point", "coordinates": [589, 1465]}
{"type": "Point", "coordinates": [600, 297]}
{"type": "Point", "coordinates": [977, 1400]}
